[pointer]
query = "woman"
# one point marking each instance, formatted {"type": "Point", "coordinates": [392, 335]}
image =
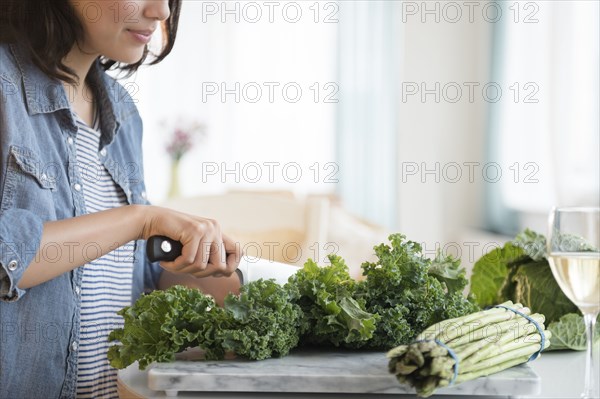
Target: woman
{"type": "Point", "coordinates": [73, 209]}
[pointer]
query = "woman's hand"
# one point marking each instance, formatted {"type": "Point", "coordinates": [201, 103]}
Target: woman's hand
{"type": "Point", "coordinates": [206, 250]}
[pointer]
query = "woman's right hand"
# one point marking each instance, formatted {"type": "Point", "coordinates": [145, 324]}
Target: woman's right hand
{"type": "Point", "coordinates": [206, 250]}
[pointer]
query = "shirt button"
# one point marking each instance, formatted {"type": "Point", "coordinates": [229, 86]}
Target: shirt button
{"type": "Point", "coordinates": [70, 140]}
{"type": "Point", "coordinates": [77, 289]}
{"type": "Point", "coordinates": [74, 345]}
{"type": "Point", "coordinates": [144, 195]}
{"type": "Point", "coordinates": [103, 152]}
{"type": "Point", "coordinates": [12, 265]}
{"type": "Point", "coordinates": [77, 187]}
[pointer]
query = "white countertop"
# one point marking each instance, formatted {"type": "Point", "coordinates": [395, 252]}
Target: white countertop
{"type": "Point", "coordinates": [561, 375]}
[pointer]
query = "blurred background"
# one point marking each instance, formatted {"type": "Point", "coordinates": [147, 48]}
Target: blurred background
{"type": "Point", "coordinates": [315, 127]}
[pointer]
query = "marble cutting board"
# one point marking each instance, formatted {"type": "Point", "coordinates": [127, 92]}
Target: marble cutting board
{"type": "Point", "coordinates": [320, 372]}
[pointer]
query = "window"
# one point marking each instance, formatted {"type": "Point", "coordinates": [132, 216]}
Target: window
{"type": "Point", "coordinates": [547, 136]}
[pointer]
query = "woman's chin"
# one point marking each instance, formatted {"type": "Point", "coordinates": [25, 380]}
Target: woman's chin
{"type": "Point", "coordinates": [131, 57]}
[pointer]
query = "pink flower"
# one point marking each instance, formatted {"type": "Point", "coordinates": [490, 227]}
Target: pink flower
{"type": "Point", "coordinates": [182, 139]}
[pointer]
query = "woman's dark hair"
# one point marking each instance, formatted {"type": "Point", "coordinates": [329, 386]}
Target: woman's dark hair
{"type": "Point", "coordinates": [49, 29]}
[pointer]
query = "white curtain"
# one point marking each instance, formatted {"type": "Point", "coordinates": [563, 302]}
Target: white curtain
{"type": "Point", "coordinates": [545, 131]}
{"type": "Point", "coordinates": [369, 70]}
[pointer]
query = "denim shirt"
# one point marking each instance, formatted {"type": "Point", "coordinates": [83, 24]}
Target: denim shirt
{"type": "Point", "coordinates": [40, 182]}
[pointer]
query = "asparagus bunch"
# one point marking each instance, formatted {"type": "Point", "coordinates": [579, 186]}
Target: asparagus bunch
{"type": "Point", "coordinates": [482, 343]}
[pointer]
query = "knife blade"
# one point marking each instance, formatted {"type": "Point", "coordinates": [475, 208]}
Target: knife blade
{"type": "Point", "coordinates": [161, 248]}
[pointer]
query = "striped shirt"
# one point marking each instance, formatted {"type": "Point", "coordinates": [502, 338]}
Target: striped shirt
{"type": "Point", "coordinates": [107, 281]}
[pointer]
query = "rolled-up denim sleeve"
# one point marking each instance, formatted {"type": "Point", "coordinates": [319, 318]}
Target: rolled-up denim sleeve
{"type": "Point", "coordinates": [20, 237]}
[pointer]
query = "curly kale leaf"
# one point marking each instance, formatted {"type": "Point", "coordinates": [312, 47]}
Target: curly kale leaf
{"type": "Point", "coordinates": [265, 322]}
{"type": "Point", "coordinates": [331, 314]}
{"type": "Point", "coordinates": [260, 323]}
{"type": "Point", "coordinates": [448, 271]}
{"type": "Point", "coordinates": [162, 323]}
{"type": "Point", "coordinates": [408, 294]}
{"type": "Point", "coordinates": [393, 328]}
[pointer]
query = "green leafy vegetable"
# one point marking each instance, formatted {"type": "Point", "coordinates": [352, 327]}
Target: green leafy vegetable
{"type": "Point", "coordinates": [265, 322]}
{"type": "Point", "coordinates": [569, 332]}
{"type": "Point", "coordinates": [331, 314]}
{"type": "Point", "coordinates": [448, 271]}
{"type": "Point", "coordinates": [519, 272]}
{"type": "Point", "coordinates": [532, 243]}
{"type": "Point", "coordinates": [410, 292]}
{"type": "Point", "coordinates": [536, 287]}
{"type": "Point", "coordinates": [258, 324]}
{"type": "Point", "coordinates": [490, 274]}
{"type": "Point", "coordinates": [401, 294]}
{"type": "Point", "coordinates": [163, 323]}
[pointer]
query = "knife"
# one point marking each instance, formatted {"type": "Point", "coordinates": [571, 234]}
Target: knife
{"type": "Point", "coordinates": [161, 248]}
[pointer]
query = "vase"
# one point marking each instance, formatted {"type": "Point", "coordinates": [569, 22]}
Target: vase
{"type": "Point", "coordinates": [174, 183]}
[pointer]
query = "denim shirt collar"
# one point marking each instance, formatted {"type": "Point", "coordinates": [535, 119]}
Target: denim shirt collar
{"type": "Point", "coordinates": [44, 94]}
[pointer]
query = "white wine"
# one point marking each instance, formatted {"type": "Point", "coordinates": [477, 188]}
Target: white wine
{"type": "Point", "coordinates": [578, 275]}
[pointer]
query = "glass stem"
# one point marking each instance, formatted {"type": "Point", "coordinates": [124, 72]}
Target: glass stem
{"type": "Point", "coordinates": [590, 376]}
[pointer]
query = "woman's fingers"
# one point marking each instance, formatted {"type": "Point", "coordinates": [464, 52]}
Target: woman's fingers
{"type": "Point", "coordinates": [224, 259]}
{"type": "Point", "coordinates": [211, 252]}
{"type": "Point", "coordinates": [203, 251]}
{"type": "Point", "coordinates": [185, 261]}
{"type": "Point", "coordinates": [219, 255]}
{"type": "Point", "coordinates": [234, 254]}
{"type": "Point", "coordinates": [206, 251]}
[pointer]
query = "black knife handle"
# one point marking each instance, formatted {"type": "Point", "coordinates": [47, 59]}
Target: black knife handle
{"type": "Point", "coordinates": [161, 248]}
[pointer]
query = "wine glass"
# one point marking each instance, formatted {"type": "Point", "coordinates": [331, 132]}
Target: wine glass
{"type": "Point", "coordinates": [574, 257]}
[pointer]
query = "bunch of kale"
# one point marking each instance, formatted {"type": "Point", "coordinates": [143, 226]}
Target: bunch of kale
{"type": "Point", "coordinates": [402, 293]}
{"type": "Point", "coordinates": [410, 292]}
{"type": "Point", "coordinates": [259, 323]}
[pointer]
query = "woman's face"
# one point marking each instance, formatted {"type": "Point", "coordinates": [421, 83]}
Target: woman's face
{"type": "Point", "coordinates": [119, 29]}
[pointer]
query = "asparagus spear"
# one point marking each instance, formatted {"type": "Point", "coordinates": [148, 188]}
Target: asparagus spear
{"type": "Point", "coordinates": [468, 347]}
